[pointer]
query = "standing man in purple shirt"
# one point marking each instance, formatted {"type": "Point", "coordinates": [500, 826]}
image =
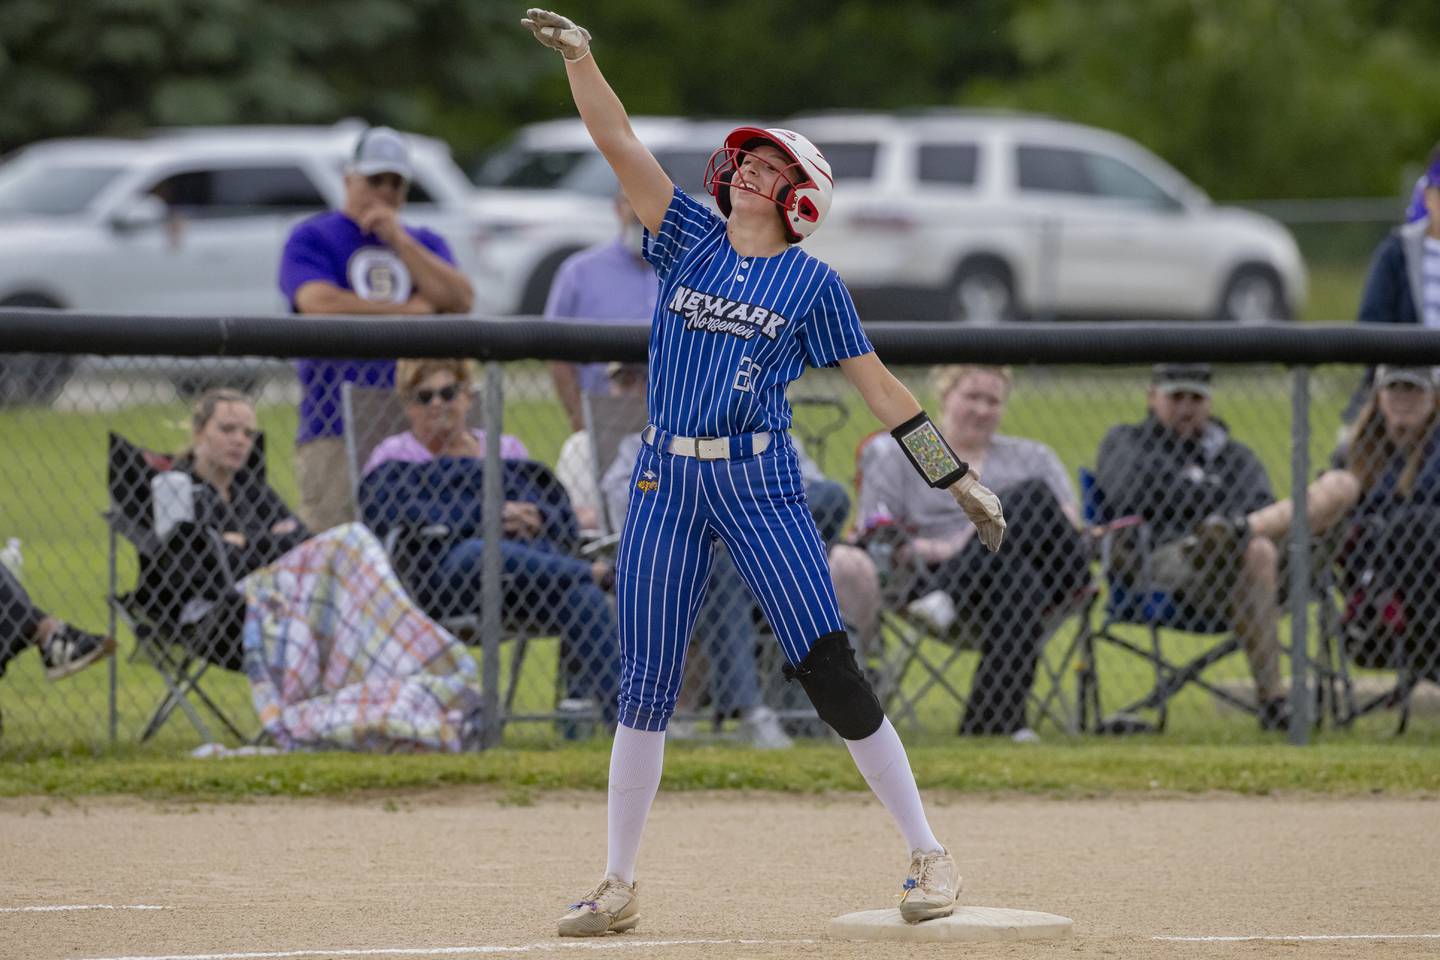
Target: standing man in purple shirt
{"type": "Point", "coordinates": [359, 260]}
{"type": "Point", "coordinates": [606, 283]}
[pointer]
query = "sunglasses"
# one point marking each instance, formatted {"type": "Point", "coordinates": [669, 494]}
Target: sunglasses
{"type": "Point", "coordinates": [446, 394]}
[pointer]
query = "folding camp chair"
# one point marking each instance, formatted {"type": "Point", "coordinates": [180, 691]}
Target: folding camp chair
{"type": "Point", "coordinates": [1365, 643]}
{"type": "Point", "coordinates": [1050, 700]}
{"type": "Point", "coordinates": [609, 420]}
{"type": "Point", "coordinates": [178, 650]}
{"type": "Point", "coordinates": [1139, 601]}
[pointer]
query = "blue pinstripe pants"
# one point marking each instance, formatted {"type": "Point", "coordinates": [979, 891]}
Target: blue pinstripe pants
{"type": "Point", "coordinates": [678, 505]}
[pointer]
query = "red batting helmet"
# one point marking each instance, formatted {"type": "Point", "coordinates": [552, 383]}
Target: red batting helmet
{"type": "Point", "coordinates": [803, 192]}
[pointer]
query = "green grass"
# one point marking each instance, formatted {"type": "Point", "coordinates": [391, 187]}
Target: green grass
{"type": "Point", "coordinates": [1335, 288]}
{"type": "Point", "coordinates": [1069, 769]}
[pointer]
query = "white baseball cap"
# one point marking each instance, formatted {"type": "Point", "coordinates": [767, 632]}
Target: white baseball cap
{"type": "Point", "coordinates": [382, 150]}
{"type": "Point", "coordinates": [1422, 377]}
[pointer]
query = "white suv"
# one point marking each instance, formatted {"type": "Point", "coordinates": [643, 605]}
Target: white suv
{"type": "Point", "coordinates": [85, 225]}
{"type": "Point", "coordinates": [548, 193]}
{"type": "Point", "coordinates": [982, 216]}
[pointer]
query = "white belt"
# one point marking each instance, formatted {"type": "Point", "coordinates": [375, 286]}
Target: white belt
{"type": "Point", "coordinates": [707, 448]}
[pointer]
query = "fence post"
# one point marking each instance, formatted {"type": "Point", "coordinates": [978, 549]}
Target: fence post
{"type": "Point", "coordinates": [490, 592]}
{"type": "Point", "coordinates": [113, 667]}
{"type": "Point", "coordinates": [1300, 557]}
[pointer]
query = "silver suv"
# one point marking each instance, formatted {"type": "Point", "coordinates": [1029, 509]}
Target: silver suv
{"type": "Point", "coordinates": [944, 214]}
{"type": "Point", "coordinates": [185, 221]}
{"type": "Point", "coordinates": [983, 216]}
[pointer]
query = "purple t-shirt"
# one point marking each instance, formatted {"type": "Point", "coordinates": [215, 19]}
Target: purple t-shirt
{"type": "Point", "coordinates": [331, 248]}
{"type": "Point", "coordinates": [407, 448]}
{"type": "Point", "coordinates": [608, 283]}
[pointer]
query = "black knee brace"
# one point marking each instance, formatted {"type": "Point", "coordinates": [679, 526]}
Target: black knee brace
{"type": "Point", "coordinates": [841, 694]}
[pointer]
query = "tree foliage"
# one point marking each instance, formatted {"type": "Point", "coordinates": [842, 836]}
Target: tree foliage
{"type": "Point", "coordinates": [1249, 97]}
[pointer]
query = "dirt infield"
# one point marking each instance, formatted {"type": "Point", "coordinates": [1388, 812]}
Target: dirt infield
{"type": "Point", "coordinates": [463, 873]}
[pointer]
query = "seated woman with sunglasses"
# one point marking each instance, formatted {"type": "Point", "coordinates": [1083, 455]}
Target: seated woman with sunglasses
{"type": "Point", "coordinates": [429, 471]}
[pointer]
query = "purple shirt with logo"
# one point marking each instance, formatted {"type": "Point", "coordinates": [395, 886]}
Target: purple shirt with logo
{"type": "Point", "coordinates": [330, 247]}
{"type": "Point", "coordinates": [608, 283]}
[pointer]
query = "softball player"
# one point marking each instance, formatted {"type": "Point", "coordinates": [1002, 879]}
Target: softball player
{"type": "Point", "coordinates": [742, 311]}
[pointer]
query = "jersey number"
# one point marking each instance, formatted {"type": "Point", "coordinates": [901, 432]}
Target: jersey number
{"type": "Point", "coordinates": [745, 376]}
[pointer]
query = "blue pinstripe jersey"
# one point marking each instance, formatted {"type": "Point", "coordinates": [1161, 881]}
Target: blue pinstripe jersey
{"type": "Point", "coordinates": [730, 333]}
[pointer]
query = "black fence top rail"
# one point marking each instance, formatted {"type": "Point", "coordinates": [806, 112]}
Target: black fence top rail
{"type": "Point", "coordinates": [76, 332]}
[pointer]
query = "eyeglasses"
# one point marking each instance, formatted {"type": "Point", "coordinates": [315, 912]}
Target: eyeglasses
{"type": "Point", "coordinates": [446, 394]}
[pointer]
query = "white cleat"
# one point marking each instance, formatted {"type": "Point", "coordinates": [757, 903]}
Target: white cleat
{"type": "Point", "coordinates": [932, 887]}
{"type": "Point", "coordinates": [612, 907]}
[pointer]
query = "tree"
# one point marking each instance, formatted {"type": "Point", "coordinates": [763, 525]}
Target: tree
{"type": "Point", "coordinates": [1251, 98]}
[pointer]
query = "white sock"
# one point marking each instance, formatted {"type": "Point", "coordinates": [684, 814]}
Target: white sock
{"type": "Point", "coordinates": [881, 760]}
{"type": "Point", "coordinates": [636, 759]}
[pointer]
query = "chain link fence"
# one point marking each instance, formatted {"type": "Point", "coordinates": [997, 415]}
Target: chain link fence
{"type": "Point", "coordinates": [1148, 581]}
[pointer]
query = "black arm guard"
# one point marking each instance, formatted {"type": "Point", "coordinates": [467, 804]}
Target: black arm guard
{"type": "Point", "coordinates": [928, 452]}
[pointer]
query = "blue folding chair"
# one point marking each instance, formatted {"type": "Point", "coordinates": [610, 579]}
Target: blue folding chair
{"type": "Point", "coordinates": [1137, 601]}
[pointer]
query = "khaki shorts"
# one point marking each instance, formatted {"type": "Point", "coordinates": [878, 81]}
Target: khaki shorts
{"type": "Point", "coordinates": [323, 476]}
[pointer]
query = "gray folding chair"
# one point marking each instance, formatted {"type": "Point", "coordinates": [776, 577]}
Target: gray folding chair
{"type": "Point", "coordinates": [609, 420]}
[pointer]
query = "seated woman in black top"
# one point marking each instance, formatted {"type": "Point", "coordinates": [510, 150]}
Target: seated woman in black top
{"type": "Point", "coordinates": [239, 525]}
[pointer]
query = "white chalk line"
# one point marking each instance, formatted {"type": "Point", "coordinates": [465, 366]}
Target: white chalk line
{"type": "Point", "coordinates": [1305, 937]}
{"type": "Point", "coordinates": [81, 906]}
{"type": "Point", "coordinates": [606, 944]}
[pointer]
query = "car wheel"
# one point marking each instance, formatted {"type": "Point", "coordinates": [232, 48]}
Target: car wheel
{"type": "Point", "coordinates": [33, 378]}
{"type": "Point", "coordinates": [1253, 295]}
{"type": "Point", "coordinates": [537, 288]}
{"type": "Point", "coordinates": [983, 293]}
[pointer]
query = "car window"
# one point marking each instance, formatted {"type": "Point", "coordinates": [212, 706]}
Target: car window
{"type": "Point", "coordinates": [1052, 170]}
{"type": "Point", "coordinates": [417, 194]}
{"type": "Point", "coordinates": [590, 174]}
{"type": "Point", "coordinates": [1063, 170]}
{"type": "Point", "coordinates": [952, 163]}
{"type": "Point", "coordinates": [1112, 178]}
{"type": "Point", "coordinates": [534, 169]}
{"type": "Point", "coordinates": [851, 160]}
{"type": "Point", "coordinates": [46, 190]}
{"type": "Point", "coordinates": [239, 191]}
{"type": "Point", "coordinates": [593, 175]}
{"type": "Point", "coordinates": [686, 168]}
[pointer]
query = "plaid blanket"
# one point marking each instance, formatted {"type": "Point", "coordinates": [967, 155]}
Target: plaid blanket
{"type": "Point", "coordinates": [339, 657]}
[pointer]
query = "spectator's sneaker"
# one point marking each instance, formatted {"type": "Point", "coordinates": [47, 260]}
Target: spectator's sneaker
{"type": "Point", "coordinates": [1275, 714]}
{"type": "Point", "coordinates": [69, 650]}
{"type": "Point", "coordinates": [935, 609]}
{"type": "Point", "coordinates": [762, 729]}
{"type": "Point", "coordinates": [1225, 537]}
{"type": "Point", "coordinates": [612, 907]}
{"type": "Point", "coordinates": [931, 888]}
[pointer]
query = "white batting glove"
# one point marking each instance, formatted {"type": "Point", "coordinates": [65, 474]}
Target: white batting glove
{"type": "Point", "coordinates": [558, 33]}
{"type": "Point", "coordinates": [983, 509]}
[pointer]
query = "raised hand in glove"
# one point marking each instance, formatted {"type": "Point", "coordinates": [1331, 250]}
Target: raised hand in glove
{"type": "Point", "coordinates": [558, 33]}
{"type": "Point", "coordinates": [983, 509]}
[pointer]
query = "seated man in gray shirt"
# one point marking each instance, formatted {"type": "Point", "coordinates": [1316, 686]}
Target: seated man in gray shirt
{"type": "Point", "coordinates": [1003, 596]}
